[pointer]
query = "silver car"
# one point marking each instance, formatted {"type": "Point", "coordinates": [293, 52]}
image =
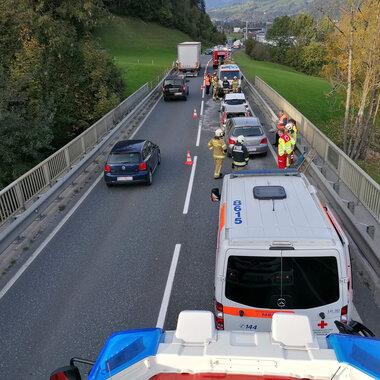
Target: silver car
{"type": "Point", "coordinates": [252, 130]}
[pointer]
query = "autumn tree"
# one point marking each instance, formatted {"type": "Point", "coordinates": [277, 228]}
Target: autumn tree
{"type": "Point", "coordinates": [354, 68]}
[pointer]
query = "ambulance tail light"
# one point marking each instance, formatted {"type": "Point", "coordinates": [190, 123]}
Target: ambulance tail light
{"type": "Point", "coordinates": [219, 316]}
{"type": "Point", "coordinates": [343, 314]}
{"type": "Point", "coordinates": [231, 141]}
{"type": "Point", "coordinates": [264, 141]}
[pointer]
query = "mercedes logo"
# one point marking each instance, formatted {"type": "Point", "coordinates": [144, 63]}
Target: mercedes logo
{"type": "Point", "coordinates": [281, 302]}
{"type": "Point", "coordinates": [123, 167]}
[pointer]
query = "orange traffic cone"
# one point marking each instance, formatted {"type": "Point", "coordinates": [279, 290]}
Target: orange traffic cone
{"type": "Point", "coordinates": [195, 113]}
{"type": "Point", "coordinates": [188, 159]}
{"type": "Point", "coordinates": [201, 87]}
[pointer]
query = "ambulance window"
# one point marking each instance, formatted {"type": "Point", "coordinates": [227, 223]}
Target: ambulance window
{"type": "Point", "coordinates": [303, 282]}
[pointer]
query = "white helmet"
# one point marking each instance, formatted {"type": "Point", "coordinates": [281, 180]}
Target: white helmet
{"type": "Point", "coordinates": [240, 139]}
{"type": "Point", "coordinates": [289, 127]}
{"type": "Point", "coordinates": [225, 78]}
{"type": "Point", "coordinates": [219, 133]}
{"type": "Point", "coordinates": [235, 77]}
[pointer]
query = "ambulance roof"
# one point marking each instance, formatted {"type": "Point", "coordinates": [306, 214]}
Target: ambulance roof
{"type": "Point", "coordinates": [297, 217]}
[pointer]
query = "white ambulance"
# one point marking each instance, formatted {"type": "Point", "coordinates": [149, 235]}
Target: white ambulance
{"type": "Point", "coordinates": [278, 251]}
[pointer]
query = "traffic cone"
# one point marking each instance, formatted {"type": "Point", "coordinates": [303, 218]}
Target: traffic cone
{"type": "Point", "coordinates": [201, 87]}
{"type": "Point", "coordinates": [195, 113]}
{"type": "Point", "coordinates": [188, 159]}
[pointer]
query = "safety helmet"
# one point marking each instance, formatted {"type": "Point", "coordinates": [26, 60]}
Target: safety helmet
{"type": "Point", "coordinates": [225, 78]}
{"type": "Point", "coordinates": [289, 126]}
{"type": "Point", "coordinates": [219, 133]}
{"type": "Point", "coordinates": [235, 77]}
{"type": "Point", "coordinates": [240, 139]}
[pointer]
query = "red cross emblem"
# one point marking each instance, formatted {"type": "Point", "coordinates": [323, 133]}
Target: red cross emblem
{"type": "Point", "coordinates": [322, 324]}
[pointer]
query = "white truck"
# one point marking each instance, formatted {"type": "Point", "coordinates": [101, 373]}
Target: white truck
{"type": "Point", "coordinates": [189, 58]}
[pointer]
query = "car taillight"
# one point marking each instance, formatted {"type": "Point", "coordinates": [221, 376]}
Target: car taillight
{"type": "Point", "coordinates": [343, 314]}
{"type": "Point", "coordinates": [232, 142]}
{"type": "Point", "coordinates": [163, 88]}
{"type": "Point", "coordinates": [142, 166]}
{"type": "Point", "coordinates": [219, 316]}
{"type": "Point", "coordinates": [107, 168]}
{"type": "Point", "coordinates": [184, 88]}
{"type": "Point", "coordinates": [224, 118]}
{"type": "Point", "coordinates": [246, 106]}
{"type": "Point", "coordinates": [264, 141]}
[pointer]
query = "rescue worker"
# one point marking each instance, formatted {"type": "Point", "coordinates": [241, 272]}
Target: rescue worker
{"type": "Point", "coordinates": [219, 148]}
{"type": "Point", "coordinates": [240, 155]}
{"type": "Point", "coordinates": [235, 85]}
{"type": "Point", "coordinates": [294, 137]}
{"type": "Point", "coordinates": [284, 148]}
{"type": "Point", "coordinates": [288, 131]}
{"type": "Point", "coordinates": [215, 88]}
{"type": "Point", "coordinates": [213, 78]}
{"type": "Point", "coordinates": [283, 120]}
{"type": "Point", "coordinates": [208, 83]}
{"type": "Point", "coordinates": [226, 86]}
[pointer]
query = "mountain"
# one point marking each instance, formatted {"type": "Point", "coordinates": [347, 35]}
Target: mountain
{"type": "Point", "coordinates": [261, 11]}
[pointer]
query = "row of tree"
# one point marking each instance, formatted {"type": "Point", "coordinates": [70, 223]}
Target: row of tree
{"type": "Point", "coordinates": [345, 49]}
{"type": "Point", "coordinates": [55, 80]}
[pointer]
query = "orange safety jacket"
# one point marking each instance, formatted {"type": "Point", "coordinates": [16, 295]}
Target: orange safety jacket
{"type": "Point", "coordinates": [282, 122]}
{"type": "Point", "coordinates": [207, 81]}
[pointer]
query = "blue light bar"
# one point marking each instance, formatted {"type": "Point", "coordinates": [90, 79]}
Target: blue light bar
{"type": "Point", "coordinates": [357, 351]}
{"type": "Point", "coordinates": [123, 349]}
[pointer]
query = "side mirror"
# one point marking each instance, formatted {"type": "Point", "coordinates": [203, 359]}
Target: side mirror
{"type": "Point", "coordinates": [242, 77]}
{"type": "Point", "coordinates": [70, 372]}
{"type": "Point", "coordinates": [215, 195]}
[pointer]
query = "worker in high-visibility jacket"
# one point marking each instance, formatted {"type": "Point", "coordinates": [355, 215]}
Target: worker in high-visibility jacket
{"type": "Point", "coordinates": [208, 83]}
{"type": "Point", "coordinates": [294, 137]}
{"type": "Point", "coordinates": [235, 85]}
{"type": "Point", "coordinates": [219, 148]}
{"type": "Point", "coordinates": [288, 131]}
{"type": "Point", "coordinates": [240, 155]}
{"type": "Point", "coordinates": [284, 148]}
{"type": "Point", "coordinates": [282, 121]}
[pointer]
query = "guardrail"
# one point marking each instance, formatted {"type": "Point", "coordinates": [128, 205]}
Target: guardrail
{"type": "Point", "coordinates": [366, 190]}
{"type": "Point", "coordinates": [24, 190]}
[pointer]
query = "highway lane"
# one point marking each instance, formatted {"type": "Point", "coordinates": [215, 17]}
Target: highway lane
{"type": "Point", "coordinates": [107, 268]}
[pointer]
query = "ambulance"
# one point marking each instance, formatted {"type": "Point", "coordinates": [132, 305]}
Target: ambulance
{"type": "Point", "coordinates": [279, 250]}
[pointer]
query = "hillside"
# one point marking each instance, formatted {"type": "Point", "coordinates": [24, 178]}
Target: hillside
{"type": "Point", "coordinates": [143, 50]}
{"type": "Point", "coordinates": [261, 11]}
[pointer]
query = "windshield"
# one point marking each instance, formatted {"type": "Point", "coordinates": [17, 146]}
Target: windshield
{"type": "Point", "coordinates": [230, 74]}
{"type": "Point", "coordinates": [173, 82]}
{"type": "Point", "coordinates": [235, 102]}
{"type": "Point", "coordinates": [247, 131]}
{"type": "Point", "coordinates": [236, 114]}
{"type": "Point", "coordinates": [301, 282]}
{"type": "Point", "coordinates": [124, 158]}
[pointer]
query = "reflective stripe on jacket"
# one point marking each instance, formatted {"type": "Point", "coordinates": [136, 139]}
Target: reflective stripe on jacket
{"type": "Point", "coordinates": [284, 145]}
{"type": "Point", "coordinates": [282, 122]}
{"type": "Point", "coordinates": [218, 146]}
{"type": "Point", "coordinates": [294, 134]}
{"type": "Point", "coordinates": [240, 154]}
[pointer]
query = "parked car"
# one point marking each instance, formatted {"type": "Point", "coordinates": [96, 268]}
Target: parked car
{"type": "Point", "coordinates": [252, 130]}
{"type": "Point", "coordinates": [208, 51]}
{"type": "Point", "coordinates": [132, 161]}
{"type": "Point", "coordinates": [234, 99]}
{"type": "Point", "coordinates": [175, 86]}
{"type": "Point", "coordinates": [230, 111]}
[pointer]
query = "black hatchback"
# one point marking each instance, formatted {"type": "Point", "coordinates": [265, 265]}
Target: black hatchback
{"type": "Point", "coordinates": [175, 86]}
{"type": "Point", "coordinates": [132, 161]}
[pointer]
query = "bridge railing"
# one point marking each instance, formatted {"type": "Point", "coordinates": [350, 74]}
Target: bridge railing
{"type": "Point", "coordinates": [366, 190]}
{"type": "Point", "coordinates": [15, 197]}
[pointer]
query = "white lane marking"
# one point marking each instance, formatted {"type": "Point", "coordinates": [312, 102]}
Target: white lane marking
{"type": "Point", "coordinates": [201, 113]}
{"type": "Point", "coordinates": [199, 132]}
{"type": "Point", "coordinates": [35, 254]}
{"type": "Point", "coordinates": [190, 187]}
{"type": "Point", "coordinates": [168, 288]}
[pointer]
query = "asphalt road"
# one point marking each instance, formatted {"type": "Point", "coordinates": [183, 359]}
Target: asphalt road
{"type": "Point", "coordinates": [106, 269]}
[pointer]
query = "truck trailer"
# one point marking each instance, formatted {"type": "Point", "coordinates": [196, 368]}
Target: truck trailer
{"type": "Point", "coordinates": [189, 58]}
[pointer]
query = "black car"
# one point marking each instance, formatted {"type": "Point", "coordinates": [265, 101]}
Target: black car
{"type": "Point", "coordinates": [132, 161]}
{"type": "Point", "coordinates": [175, 86]}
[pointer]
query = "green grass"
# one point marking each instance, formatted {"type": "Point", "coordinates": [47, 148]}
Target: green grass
{"type": "Point", "coordinates": [309, 95]}
{"type": "Point", "coordinates": [142, 50]}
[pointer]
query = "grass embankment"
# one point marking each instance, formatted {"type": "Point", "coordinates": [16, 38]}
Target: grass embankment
{"type": "Point", "coordinates": [309, 95]}
{"type": "Point", "coordinates": [141, 49]}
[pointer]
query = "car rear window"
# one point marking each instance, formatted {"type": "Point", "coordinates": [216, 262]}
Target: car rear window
{"type": "Point", "coordinates": [230, 74]}
{"type": "Point", "coordinates": [230, 115]}
{"type": "Point", "coordinates": [301, 282]}
{"type": "Point", "coordinates": [124, 158]}
{"type": "Point", "coordinates": [235, 102]}
{"type": "Point", "coordinates": [173, 82]}
{"type": "Point", "coordinates": [247, 131]}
